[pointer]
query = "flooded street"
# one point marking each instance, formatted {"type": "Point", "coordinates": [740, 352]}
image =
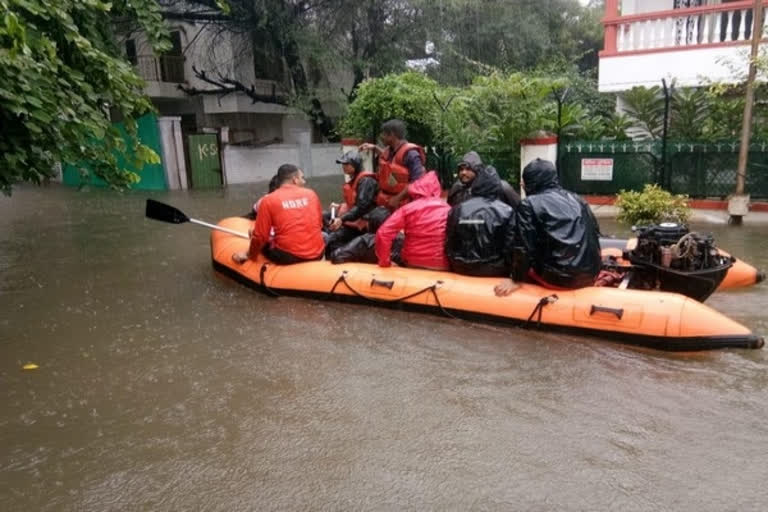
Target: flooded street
{"type": "Point", "coordinates": [165, 386]}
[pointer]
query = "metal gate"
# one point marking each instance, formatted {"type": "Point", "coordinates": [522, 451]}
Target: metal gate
{"type": "Point", "coordinates": [204, 160]}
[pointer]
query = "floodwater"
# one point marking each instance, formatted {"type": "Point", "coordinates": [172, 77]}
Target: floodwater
{"type": "Point", "coordinates": [165, 386]}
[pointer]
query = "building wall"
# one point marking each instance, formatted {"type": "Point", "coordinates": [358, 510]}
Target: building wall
{"type": "Point", "coordinates": [691, 68]}
{"type": "Point", "coordinates": [244, 164]}
{"type": "Point", "coordinates": [246, 127]}
{"type": "Point", "coordinates": [640, 6]}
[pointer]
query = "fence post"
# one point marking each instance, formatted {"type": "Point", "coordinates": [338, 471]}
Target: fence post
{"type": "Point", "coordinates": [174, 164]}
{"type": "Point", "coordinates": [666, 181]}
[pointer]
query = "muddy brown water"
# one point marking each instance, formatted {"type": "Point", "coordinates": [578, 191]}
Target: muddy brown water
{"type": "Point", "coordinates": [165, 386]}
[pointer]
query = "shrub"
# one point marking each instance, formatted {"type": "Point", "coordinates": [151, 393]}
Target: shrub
{"type": "Point", "coordinates": [651, 206]}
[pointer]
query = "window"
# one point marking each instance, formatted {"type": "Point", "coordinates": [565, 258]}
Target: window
{"type": "Point", "coordinates": [175, 44]}
{"type": "Point", "coordinates": [130, 51]}
{"type": "Point", "coordinates": [172, 61]}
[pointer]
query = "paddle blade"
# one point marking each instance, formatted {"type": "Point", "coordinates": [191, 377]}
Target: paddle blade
{"type": "Point", "coordinates": [164, 212]}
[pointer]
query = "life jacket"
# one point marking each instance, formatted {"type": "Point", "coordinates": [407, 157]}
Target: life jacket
{"type": "Point", "coordinates": [393, 174]}
{"type": "Point", "coordinates": [350, 197]}
{"type": "Point", "coordinates": [350, 189]}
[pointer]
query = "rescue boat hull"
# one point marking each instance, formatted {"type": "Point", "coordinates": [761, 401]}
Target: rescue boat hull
{"type": "Point", "coordinates": [660, 320]}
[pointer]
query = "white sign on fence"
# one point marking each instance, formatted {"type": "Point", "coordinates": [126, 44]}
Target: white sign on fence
{"type": "Point", "coordinates": [597, 169]}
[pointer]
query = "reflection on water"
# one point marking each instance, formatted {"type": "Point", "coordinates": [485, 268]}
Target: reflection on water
{"type": "Point", "coordinates": [165, 386]}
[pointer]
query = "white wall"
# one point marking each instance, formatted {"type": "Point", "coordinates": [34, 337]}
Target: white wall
{"type": "Point", "coordinates": [248, 164]}
{"type": "Point", "coordinates": [690, 67]}
{"type": "Point", "coordinates": [640, 6]}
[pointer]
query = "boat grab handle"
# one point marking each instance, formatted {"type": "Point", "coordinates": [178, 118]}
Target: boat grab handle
{"type": "Point", "coordinates": [385, 284]}
{"type": "Point", "coordinates": [602, 309]}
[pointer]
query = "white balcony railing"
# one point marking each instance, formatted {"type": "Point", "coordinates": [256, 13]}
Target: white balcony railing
{"type": "Point", "coordinates": [716, 25]}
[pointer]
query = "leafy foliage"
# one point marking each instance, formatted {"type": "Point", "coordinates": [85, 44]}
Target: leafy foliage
{"type": "Point", "coordinates": [409, 97]}
{"type": "Point", "coordinates": [496, 111]}
{"type": "Point", "coordinates": [474, 37]}
{"type": "Point", "coordinates": [651, 206]}
{"type": "Point", "coordinates": [690, 112]}
{"type": "Point", "coordinates": [646, 108]}
{"type": "Point", "coordinates": [616, 126]}
{"type": "Point", "coordinates": [490, 116]}
{"type": "Point", "coordinates": [61, 77]}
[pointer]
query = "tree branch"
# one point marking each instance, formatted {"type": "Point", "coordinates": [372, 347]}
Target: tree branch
{"type": "Point", "coordinates": [225, 85]}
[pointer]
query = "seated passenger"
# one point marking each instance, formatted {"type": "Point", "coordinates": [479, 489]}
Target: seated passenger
{"type": "Point", "coordinates": [362, 249]}
{"type": "Point", "coordinates": [359, 193]}
{"type": "Point", "coordinates": [294, 213]}
{"type": "Point", "coordinates": [468, 169]}
{"type": "Point", "coordinates": [271, 187]}
{"type": "Point", "coordinates": [556, 238]}
{"type": "Point", "coordinates": [423, 221]}
{"type": "Point", "coordinates": [477, 227]}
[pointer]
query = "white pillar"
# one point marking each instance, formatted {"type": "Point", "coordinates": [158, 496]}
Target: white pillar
{"type": "Point", "coordinates": [540, 144]}
{"type": "Point", "coordinates": [304, 138]}
{"type": "Point", "coordinates": [173, 152]}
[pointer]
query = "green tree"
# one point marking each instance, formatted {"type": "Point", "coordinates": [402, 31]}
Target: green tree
{"type": "Point", "coordinates": [61, 77]}
{"type": "Point", "coordinates": [476, 37]}
{"type": "Point", "coordinates": [645, 106]}
{"type": "Point", "coordinates": [409, 97]}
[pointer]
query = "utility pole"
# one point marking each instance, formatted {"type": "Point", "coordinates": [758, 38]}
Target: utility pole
{"type": "Point", "coordinates": [739, 202]}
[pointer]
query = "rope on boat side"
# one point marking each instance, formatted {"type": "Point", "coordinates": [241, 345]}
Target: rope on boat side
{"type": "Point", "coordinates": [267, 289]}
{"type": "Point", "coordinates": [431, 288]}
{"type": "Point", "coordinates": [543, 302]}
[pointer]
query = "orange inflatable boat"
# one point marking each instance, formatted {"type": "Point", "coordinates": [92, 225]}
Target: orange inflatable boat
{"type": "Point", "coordinates": [660, 320]}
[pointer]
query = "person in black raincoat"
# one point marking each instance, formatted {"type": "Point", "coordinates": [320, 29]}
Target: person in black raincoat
{"type": "Point", "coordinates": [359, 193]}
{"type": "Point", "coordinates": [477, 229]}
{"type": "Point", "coordinates": [468, 169]}
{"type": "Point", "coordinates": [556, 240]}
{"type": "Point", "coordinates": [362, 248]}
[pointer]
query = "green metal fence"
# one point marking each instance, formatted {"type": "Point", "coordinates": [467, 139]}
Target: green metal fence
{"type": "Point", "coordinates": [152, 176]}
{"type": "Point", "coordinates": [698, 169]}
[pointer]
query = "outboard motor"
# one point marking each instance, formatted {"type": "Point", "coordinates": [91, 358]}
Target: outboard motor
{"type": "Point", "coordinates": [671, 258]}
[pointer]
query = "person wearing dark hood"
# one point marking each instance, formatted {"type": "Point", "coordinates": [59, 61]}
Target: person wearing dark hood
{"type": "Point", "coordinates": [359, 193]}
{"type": "Point", "coordinates": [363, 248]}
{"type": "Point", "coordinates": [477, 228]}
{"type": "Point", "coordinates": [556, 238]}
{"type": "Point", "coordinates": [423, 221]}
{"type": "Point", "coordinates": [468, 169]}
{"type": "Point", "coordinates": [400, 163]}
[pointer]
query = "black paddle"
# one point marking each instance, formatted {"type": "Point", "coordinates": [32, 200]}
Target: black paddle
{"type": "Point", "coordinates": [167, 213]}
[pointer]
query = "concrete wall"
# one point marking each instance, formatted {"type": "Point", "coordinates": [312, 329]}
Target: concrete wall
{"type": "Point", "coordinates": [690, 68]}
{"type": "Point", "coordinates": [640, 6]}
{"type": "Point", "coordinates": [247, 128]}
{"type": "Point", "coordinates": [248, 164]}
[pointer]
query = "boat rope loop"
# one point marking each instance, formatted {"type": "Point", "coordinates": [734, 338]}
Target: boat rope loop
{"type": "Point", "coordinates": [264, 284]}
{"type": "Point", "coordinates": [543, 302]}
{"type": "Point", "coordinates": [431, 288]}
